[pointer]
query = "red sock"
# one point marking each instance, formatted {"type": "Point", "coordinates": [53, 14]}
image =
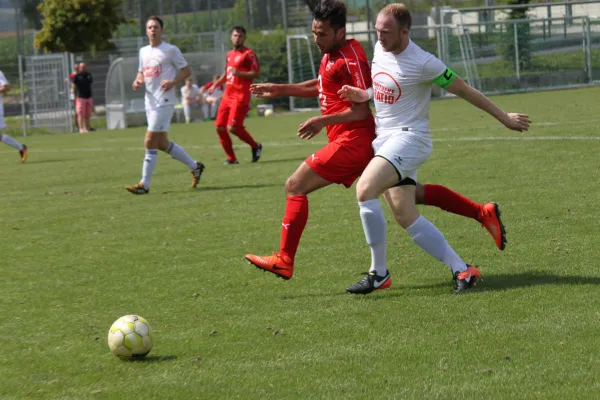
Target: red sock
{"type": "Point", "coordinates": [227, 144]}
{"type": "Point", "coordinates": [244, 136]}
{"type": "Point", "coordinates": [294, 221]}
{"type": "Point", "coordinates": [450, 201]}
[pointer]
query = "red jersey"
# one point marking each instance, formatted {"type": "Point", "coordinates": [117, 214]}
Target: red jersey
{"type": "Point", "coordinates": [72, 77]}
{"type": "Point", "coordinates": [244, 60]}
{"type": "Point", "coordinates": [347, 66]}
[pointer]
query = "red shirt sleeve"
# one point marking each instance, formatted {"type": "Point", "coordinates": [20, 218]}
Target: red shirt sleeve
{"type": "Point", "coordinates": [252, 61]}
{"type": "Point", "coordinates": [356, 68]}
{"type": "Point", "coordinates": [207, 86]}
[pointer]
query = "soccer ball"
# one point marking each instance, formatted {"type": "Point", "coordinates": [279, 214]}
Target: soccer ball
{"type": "Point", "coordinates": [130, 337]}
{"type": "Point", "coordinates": [268, 112]}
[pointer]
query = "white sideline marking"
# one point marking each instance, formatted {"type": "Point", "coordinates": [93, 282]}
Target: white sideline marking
{"type": "Point", "coordinates": [321, 143]}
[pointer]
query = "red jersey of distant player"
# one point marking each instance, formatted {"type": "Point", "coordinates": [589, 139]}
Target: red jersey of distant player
{"type": "Point", "coordinates": [347, 66]}
{"type": "Point", "coordinates": [349, 150]}
{"type": "Point", "coordinates": [238, 88]}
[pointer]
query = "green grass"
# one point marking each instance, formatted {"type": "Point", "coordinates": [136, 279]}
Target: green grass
{"type": "Point", "coordinates": [78, 251]}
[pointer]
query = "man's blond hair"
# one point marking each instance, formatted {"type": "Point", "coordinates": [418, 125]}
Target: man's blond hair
{"type": "Point", "coordinates": [400, 14]}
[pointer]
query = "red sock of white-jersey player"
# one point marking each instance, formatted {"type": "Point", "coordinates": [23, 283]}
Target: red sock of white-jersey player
{"type": "Point", "coordinates": [294, 221]}
{"type": "Point", "coordinates": [226, 144]}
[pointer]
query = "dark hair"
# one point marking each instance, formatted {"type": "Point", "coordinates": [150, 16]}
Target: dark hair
{"type": "Point", "coordinates": [239, 29]}
{"type": "Point", "coordinates": [333, 11]}
{"type": "Point", "coordinates": [157, 19]}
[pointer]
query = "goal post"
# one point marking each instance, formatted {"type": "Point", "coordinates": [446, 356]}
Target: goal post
{"type": "Point", "coordinates": [301, 68]}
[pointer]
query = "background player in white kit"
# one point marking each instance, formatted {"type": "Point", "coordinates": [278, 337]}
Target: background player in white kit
{"type": "Point", "coordinates": [402, 77]}
{"type": "Point", "coordinates": [9, 140]}
{"type": "Point", "coordinates": [161, 68]}
{"type": "Point", "coordinates": [190, 95]}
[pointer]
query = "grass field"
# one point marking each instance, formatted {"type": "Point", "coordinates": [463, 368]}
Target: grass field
{"type": "Point", "coordinates": [78, 251]}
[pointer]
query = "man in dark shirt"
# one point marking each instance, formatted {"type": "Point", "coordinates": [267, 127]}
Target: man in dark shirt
{"type": "Point", "coordinates": [82, 87]}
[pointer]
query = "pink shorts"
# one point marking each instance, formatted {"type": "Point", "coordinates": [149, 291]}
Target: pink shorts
{"type": "Point", "coordinates": [84, 107]}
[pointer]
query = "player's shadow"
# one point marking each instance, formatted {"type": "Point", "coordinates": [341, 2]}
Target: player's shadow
{"type": "Point", "coordinates": [519, 280]}
{"type": "Point", "coordinates": [48, 161]}
{"type": "Point", "coordinates": [236, 187]}
{"type": "Point", "coordinates": [283, 160]}
{"type": "Point", "coordinates": [153, 359]}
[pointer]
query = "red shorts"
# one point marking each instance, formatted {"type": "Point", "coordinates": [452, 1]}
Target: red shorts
{"type": "Point", "coordinates": [84, 107]}
{"type": "Point", "coordinates": [232, 113]}
{"type": "Point", "coordinates": [343, 159]}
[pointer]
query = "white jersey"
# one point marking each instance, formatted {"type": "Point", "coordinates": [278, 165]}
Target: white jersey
{"type": "Point", "coordinates": [402, 88]}
{"type": "Point", "coordinates": [192, 92]}
{"type": "Point", "coordinates": [160, 63]}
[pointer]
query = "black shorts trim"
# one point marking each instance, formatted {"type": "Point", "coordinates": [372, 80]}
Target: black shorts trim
{"type": "Point", "coordinates": [401, 181]}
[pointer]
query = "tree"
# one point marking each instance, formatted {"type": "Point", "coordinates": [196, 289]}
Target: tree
{"type": "Point", "coordinates": [523, 36]}
{"type": "Point", "coordinates": [79, 25]}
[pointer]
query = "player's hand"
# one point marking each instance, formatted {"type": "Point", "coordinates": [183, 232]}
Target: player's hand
{"type": "Point", "coordinates": [234, 71]}
{"type": "Point", "coordinates": [211, 89]}
{"type": "Point", "coordinates": [353, 94]}
{"type": "Point", "coordinates": [516, 122]}
{"type": "Point", "coordinates": [265, 90]}
{"type": "Point", "coordinates": [167, 85]}
{"type": "Point", "coordinates": [136, 84]}
{"type": "Point", "coordinates": [310, 128]}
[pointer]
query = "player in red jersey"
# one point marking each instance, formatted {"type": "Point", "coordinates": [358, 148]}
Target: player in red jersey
{"type": "Point", "coordinates": [350, 129]}
{"type": "Point", "coordinates": [241, 69]}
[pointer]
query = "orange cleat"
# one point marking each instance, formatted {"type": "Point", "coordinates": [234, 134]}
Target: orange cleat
{"type": "Point", "coordinates": [279, 265]}
{"type": "Point", "coordinates": [467, 279]}
{"type": "Point", "coordinates": [23, 154]}
{"type": "Point", "coordinates": [493, 224]}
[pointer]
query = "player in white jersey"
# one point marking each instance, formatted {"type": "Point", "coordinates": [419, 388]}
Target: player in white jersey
{"type": "Point", "coordinates": [190, 95]}
{"type": "Point", "coordinates": [403, 74]}
{"type": "Point", "coordinates": [161, 68]}
{"type": "Point", "coordinates": [9, 140]}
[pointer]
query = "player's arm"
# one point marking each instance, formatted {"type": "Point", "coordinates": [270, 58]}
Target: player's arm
{"type": "Point", "coordinates": [455, 85]}
{"type": "Point", "coordinates": [183, 74]}
{"type": "Point", "coordinates": [139, 78]}
{"type": "Point", "coordinates": [251, 61]}
{"type": "Point", "coordinates": [4, 88]}
{"type": "Point", "coordinates": [219, 81]}
{"type": "Point", "coordinates": [357, 112]}
{"type": "Point", "coordinates": [269, 90]}
{"type": "Point", "coordinates": [73, 89]}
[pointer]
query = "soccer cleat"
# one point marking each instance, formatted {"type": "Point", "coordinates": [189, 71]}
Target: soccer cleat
{"type": "Point", "coordinates": [137, 189]}
{"type": "Point", "coordinates": [256, 153]}
{"type": "Point", "coordinates": [196, 174]}
{"type": "Point", "coordinates": [491, 221]}
{"type": "Point", "coordinates": [467, 279]}
{"type": "Point", "coordinates": [23, 154]}
{"type": "Point", "coordinates": [371, 282]}
{"type": "Point", "coordinates": [279, 265]}
{"type": "Point", "coordinates": [229, 162]}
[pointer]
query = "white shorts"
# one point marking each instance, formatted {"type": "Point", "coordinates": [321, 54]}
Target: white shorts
{"type": "Point", "coordinates": [406, 151]}
{"type": "Point", "coordinates": [159, 119]}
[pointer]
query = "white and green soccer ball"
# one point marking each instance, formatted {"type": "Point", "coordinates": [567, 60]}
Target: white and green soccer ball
{"type": "Point", "coordinates": [130, 337]}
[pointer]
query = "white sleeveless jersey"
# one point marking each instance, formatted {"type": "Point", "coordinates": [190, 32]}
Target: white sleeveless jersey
{"type": "Point", "coordinates": [402, 88]}
{"type": "Point", "coordinates": [158, 64]}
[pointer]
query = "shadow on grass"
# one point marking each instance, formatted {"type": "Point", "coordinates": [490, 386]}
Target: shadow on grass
{"type": "Point", "coordinates": [283, 160]}
{"type": "Point", "coordinates": [201, 188]}
{"type": "Point", "coordinates": [152, 359]}
{"type": "Point", "coordinates": [49, 161]}
{"type": "Point", "coordinates": [519, 280]}
{"type": "Point", "coordinates": [489, 282]}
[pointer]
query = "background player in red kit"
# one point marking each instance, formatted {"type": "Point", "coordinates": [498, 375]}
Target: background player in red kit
{"type": "Point", "coordinates": [241, 69]}
{"type": "Point", "coordinates": [350, 129]}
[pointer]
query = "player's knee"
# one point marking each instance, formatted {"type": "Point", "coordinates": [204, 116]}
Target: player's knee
{"type": "Point", "coordinates": [232, 130]}
{"type": "Point", "coordinates": [149, 143]}
{"type": "Point", "coordinates": [365, 190]}
{"type": "Point", "coordinates": [293, 186]}
{"type": "Point", "coordinates": [404, 216]}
